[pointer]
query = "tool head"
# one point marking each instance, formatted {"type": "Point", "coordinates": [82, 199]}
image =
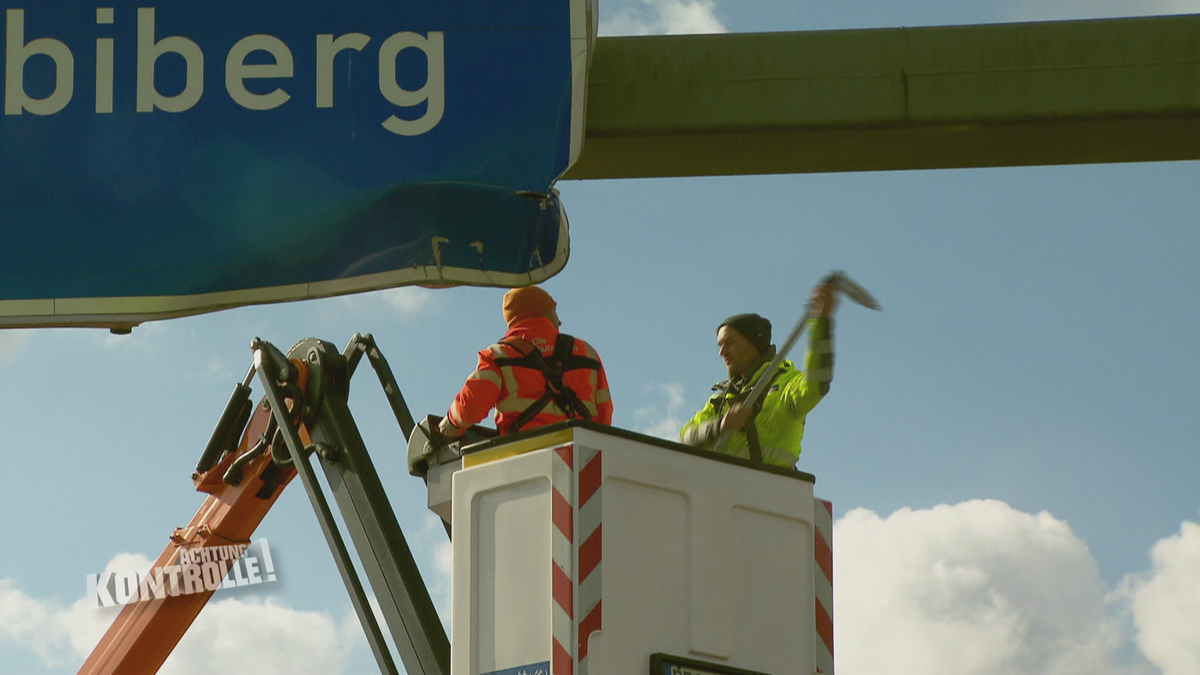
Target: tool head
{"type": "Point", "coordinates": [851, 289]}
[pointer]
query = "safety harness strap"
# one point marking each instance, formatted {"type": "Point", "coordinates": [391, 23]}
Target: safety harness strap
{"type": "Point", "coordinates": [560, 361]}
{"type": "Point", "coordinates": [727, 393]}
{"type": "Point", "coordinates": [751, 426]}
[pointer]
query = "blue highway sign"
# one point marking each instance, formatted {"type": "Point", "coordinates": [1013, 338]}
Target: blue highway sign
{"type": "Point", "coordinates": [166, 159]}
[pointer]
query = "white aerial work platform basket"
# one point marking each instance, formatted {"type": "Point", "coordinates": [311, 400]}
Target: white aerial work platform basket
{"type": "Point", "coordinates": [581, 548]}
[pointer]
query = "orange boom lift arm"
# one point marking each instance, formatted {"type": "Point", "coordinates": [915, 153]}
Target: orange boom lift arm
{"type": "Point", "coordinates": [303, 413]}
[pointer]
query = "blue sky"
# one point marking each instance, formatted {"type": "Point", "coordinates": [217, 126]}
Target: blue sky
{"type": "Point", "coordinates": [1011, 445]}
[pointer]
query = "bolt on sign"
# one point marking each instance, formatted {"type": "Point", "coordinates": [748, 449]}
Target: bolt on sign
{"type": "Point", "coordinates": [166, 159]}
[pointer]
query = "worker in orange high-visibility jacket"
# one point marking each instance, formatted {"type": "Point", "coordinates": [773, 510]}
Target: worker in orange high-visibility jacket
{"type": "Point", "coordinates": [533, 376]}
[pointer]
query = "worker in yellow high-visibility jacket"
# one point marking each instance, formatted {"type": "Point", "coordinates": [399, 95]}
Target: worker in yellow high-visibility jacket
{"type": "Point", "coordinates": [771, 431]}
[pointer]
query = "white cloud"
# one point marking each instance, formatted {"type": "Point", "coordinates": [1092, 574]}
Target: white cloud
{"type": "Point", "coordinates": [1051, 10]}
{"type": "Point", "coordinates": [974, 588]}
{"type": "Point", "coordinates": [1165, 603]}
{"type": "Point", "coordinates": [60, 635]}
{"type": "Point", "coordinates": [236, 635]}
{"type": "Point", "coordinates": [13, 342]}
{"type": "Point", "coordinates": [230, 635]}
{"type": "Point", "coordinates": [670, 17]}
{"type": "Point", "coordinates": [407, 300]}
{"type": "Point", "coordinates": [404, 301]}
{"type": "Point", "coordinates": [441, 553]}
{"type": "Point", "coordinates": [662, 422]}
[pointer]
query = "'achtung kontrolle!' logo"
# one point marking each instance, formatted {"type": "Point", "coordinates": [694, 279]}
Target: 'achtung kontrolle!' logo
{"type": "Point", "coordinates": [194, 570]}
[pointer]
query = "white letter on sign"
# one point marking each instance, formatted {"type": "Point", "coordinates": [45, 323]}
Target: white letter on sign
{"type": "Point", "coordinates": [236, 70]}
{"type": "Point", "coordinates": [433, 92]}
{"type": "Point", "coordinates": [327, 49]}
{"type": "Point", "coordinates": [148, 52]}
{"type": "Point", "coordinates": [104, 64]}
{"type": "Point", "coordinates": [16, 52]}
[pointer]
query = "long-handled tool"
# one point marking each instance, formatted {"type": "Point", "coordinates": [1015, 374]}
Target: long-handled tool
{"type": "Point", "coordinates": [841, 283]}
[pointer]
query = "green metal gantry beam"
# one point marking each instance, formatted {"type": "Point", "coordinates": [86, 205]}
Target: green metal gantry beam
{"type": "Point", "coordinates": [1070, 92]}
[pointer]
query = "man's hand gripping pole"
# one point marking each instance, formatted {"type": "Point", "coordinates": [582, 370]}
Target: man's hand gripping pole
{"type": "Point", "coordinates": [841, 284]}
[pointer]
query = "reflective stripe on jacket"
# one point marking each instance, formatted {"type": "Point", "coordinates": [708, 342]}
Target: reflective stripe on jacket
{"type": "Point", "coordinates": [780, 423]}
{"type": "Point", "coordinates": [510, 390]}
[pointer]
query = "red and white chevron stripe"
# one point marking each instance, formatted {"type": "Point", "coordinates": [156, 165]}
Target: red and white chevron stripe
{"type": "Point", "coordinates": [576, 567]}
{"type": "Point", "coordinates": [591, 552]}
{"type": "Point", "coordinates": [562, 481]}
{"type": "Point", "coordinates": [823, 583]}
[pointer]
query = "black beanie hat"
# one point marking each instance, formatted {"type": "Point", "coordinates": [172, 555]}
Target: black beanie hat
{"type": "Point", "coordinates": [753, 327]}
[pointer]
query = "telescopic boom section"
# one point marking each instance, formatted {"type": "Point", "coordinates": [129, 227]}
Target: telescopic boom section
{"type": "Point", "coordinates": [242, 486]}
